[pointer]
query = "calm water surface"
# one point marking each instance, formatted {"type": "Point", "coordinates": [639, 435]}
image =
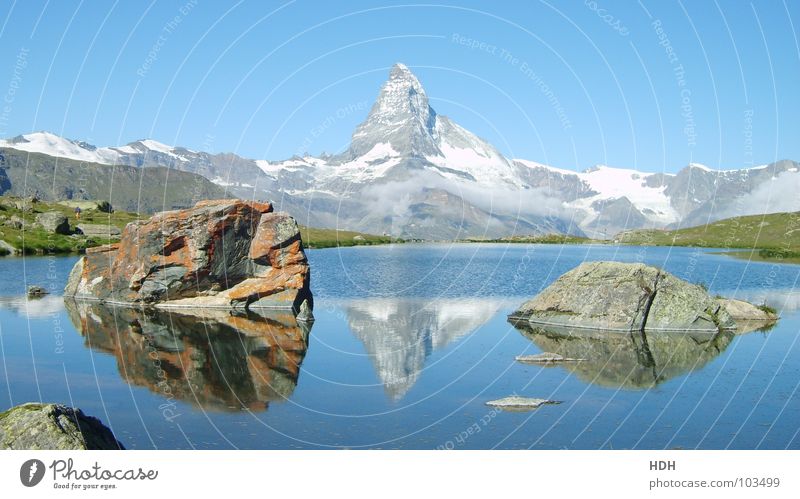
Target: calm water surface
{"type": "Point", "coordinates": [408, 345]}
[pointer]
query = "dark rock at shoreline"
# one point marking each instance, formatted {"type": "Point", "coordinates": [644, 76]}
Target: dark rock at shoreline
{"type": "Point", "coordinates": [37, 292]}
{"type": "Point", "coordinates": [218, 254]}
{"type": "Point", "coordinates": [35, 426]}
{"type": "Point", "coordinates": [7, 249]}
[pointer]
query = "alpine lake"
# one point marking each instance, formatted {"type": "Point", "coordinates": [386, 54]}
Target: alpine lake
{"type": "Point", "coordinates": [408, 344]}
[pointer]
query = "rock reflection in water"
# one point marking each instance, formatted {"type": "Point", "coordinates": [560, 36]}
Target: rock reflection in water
{"type": "Point", "coordinates": [400, 333]}
{"type": "Point", "coordinates": [214, 360]}
{"type": "Point", "coordinates": [628, 360]}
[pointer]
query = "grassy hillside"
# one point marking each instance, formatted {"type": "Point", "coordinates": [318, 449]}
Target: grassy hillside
{"type": "Point", "coordinates": [32, 239]}
{"type": "Point", "coordinates": [332, 238]}
{"type": "Point", "coordinates": [128, 188]}
{"type": "Point", "coordinates": [776, 235]}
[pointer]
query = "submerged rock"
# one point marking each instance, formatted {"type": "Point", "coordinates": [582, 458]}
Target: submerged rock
{"type": "Point", "coordinates": [218, 254]}
{"type": "Point", "coordinates": [516, 403]}
{"type": "Point", "coordinates": [35, 426]}
{"type": "Point", "coordinates": [614, 296]}
{"type": "Point", "coordinates": [545, 358]}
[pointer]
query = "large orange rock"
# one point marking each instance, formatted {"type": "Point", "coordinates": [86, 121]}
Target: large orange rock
{"type": "Point", "coordinates": [221, 254]}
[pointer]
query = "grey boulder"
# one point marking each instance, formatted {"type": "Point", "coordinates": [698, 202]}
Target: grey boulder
{"type": "Point", "coordinates": [15, 222]}
{"type": "Point", "coordinates": [54, 222]}
{"type": "Point", "coordinates": [6, 248]}
{"type": "Point", "coordinates": [616, 296]}
{"type": "Point", "coordinates": [99, 230]}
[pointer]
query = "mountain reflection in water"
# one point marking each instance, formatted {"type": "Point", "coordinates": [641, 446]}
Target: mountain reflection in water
{"type": "Point", "coordinates": [631, 360]}
{"type": "Point", "coordinates": [215, 360]}
{"type": "Point", "coordinates": [400, 333]}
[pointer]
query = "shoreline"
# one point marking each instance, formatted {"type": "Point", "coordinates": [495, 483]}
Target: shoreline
{"type": "Point", "coordinates": [751, 254]}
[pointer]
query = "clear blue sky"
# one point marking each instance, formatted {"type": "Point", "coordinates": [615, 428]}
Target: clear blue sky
{"type": "Point", "coordinates": [570, 85]}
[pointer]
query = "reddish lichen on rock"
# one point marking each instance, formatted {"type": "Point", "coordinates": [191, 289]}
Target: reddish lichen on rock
{"type": "Point", "coordinates": [220, 253]}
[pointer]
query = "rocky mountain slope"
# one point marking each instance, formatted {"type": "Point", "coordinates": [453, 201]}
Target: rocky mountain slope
{"type": "Point", "coordinates": [410, 172]}
{"type": "Point", "coordinates": [57, 178]}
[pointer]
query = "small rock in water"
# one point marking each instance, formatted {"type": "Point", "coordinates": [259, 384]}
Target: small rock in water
{"type": "Point", "coordinates": [545, 358]}
{"type": "Point", "coordinates": [36, 292]}
{"type": "Point", "coordinates": [744, 311]}
{"type": "Point", "coordinates": [519, 403]}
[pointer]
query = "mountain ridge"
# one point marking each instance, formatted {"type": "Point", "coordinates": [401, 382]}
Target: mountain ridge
{"type": "Point", "coordinates": [411, 172]}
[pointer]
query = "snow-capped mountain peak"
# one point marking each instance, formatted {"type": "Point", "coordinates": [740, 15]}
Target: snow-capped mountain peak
{"type": "Point", "coordinates": [154, 145]}
{"type": "Point", "coordinates": [401, 117]}
{"type": "Point", "coordinates": [156, 148]}
{"type": "Point", "coordinates": [60, 147]}
{"type": "Point", "coordinates": [403, 123]}
{"type": "Point", "coordinates": [403, 97]}
{"type": "Point", "coordinates": [700, 166]}
{"type": "Point", "coordinates": [637, 187]}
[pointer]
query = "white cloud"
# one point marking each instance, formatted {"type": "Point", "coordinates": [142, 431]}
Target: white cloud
{"type": "Point", "coordinates": [35, 307]}
{"type": "Point", "coordinates": [774, 196]}
{"type": "Point", "coordinates": [395, 197]}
